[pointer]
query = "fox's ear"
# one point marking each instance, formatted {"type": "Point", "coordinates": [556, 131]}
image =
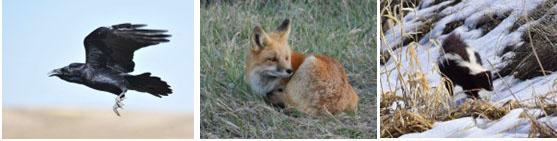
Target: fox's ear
{"type": "Point", "coordinates": [259, 38]}
{"type": "Point", "coordinates": [284, 29]}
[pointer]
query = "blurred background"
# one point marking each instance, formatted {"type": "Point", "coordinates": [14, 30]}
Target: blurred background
{"type": "Point", "coordinates": [39, 36]}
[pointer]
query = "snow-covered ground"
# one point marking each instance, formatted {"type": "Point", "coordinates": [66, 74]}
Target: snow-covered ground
{"type": "Point", "coordinates": [489, 45]}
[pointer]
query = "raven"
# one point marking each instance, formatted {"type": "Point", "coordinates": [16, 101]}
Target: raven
{"type": "Point", "coordinates": [109, 54]}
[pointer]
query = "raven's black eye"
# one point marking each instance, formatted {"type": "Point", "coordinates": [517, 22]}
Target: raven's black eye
{"type": "Point", "coordinates": [279, 90]}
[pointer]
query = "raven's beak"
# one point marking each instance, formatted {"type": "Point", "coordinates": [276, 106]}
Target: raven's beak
{"type": "Point", "coordinates": [54, 72]}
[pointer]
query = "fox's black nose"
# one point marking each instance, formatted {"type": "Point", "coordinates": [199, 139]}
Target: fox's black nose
{"type": "Point", "coordinates": [289, 71]}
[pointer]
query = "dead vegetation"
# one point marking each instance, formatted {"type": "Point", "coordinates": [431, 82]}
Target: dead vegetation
{"type": "Point", "coordinates": [480, 108]}
{"type": "Point", "coordinates": [452, 26]}
{"type": "Point", "coordinates": [535, 14]}
{"type": "Point", "coordinates": [536, 56]}
{"type": "Point", "coordinates": [402, 120]}
{"type": "Point", "coordinates": [541, 130]}
{"type": "Point", "coordinates": [548, 104]}
{"type": "Point", "coordinates": [396, 10]}
{"type": "Point", "coordinates": [393, 12]}
{"type": "Point", "coordinates": [489, 21]}
{"type": "Point", "coordinates": [421, 31]}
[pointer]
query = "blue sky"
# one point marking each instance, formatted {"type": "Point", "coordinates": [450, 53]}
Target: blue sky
{"type": "Point", "coordinates": [42, 35]}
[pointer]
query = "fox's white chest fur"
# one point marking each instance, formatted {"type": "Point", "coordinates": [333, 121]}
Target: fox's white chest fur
{"type": "Point", "coordinates": [261, 84]}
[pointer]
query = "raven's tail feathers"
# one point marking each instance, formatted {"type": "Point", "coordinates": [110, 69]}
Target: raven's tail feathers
{"type": "Point", "coordinates": [150, 84]}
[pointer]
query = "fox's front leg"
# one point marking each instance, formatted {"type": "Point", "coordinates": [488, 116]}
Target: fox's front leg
{"type": "Point", "coordinates": [273, 98]}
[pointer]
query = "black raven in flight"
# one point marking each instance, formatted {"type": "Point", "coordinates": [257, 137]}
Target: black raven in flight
{"type": "Point", "coordinates": [109, 54]}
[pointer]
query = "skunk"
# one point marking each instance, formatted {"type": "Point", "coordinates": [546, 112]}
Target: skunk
{"type": "Point", "coordinates": [460, 64]}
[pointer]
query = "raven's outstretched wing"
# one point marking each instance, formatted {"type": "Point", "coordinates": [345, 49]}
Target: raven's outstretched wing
{"type": "Point", "coordinates": [113, 46]}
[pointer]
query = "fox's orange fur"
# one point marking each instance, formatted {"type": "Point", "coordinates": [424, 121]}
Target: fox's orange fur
{"type": "Point", "coordinates": [315, 84]}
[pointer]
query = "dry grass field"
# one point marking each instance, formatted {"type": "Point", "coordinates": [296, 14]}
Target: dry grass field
{"type": "Point", "coordinates": [88, 123]}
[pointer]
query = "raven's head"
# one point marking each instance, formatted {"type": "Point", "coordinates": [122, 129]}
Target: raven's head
{"type": "Point", "coordinates": [70, 73]}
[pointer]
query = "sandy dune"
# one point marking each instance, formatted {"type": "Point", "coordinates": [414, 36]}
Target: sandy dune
{"type": "Point", "coordinates": [70, 123]}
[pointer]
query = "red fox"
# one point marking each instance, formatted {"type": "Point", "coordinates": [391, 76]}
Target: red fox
{"type": "Point", "coordinates": [313, 84]}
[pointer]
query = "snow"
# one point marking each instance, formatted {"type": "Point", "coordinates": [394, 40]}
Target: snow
{"type": "Point", "coordinates": [476, 127]}
{"type": "Point", "coordinates": [421, 58]}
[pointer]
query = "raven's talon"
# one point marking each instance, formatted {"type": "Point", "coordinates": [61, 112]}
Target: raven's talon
{"type": "Point", "coordinates": [115, 109]}
{"type": "Point", "coordinates": [118, 104]}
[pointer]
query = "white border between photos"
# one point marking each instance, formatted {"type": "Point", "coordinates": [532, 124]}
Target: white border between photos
{"type": "Point", "coordinates": [1, 64]}
{"type": "Point", "coordinates": [196, 71]}
{"type": "Point", "coordinates": [377, 67]}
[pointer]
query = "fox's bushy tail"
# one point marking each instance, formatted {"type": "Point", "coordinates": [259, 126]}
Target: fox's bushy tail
{"type": "Point", "coordinates": [150, 84]}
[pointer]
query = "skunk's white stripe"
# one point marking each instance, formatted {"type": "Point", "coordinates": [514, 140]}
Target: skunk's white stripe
{"type": "Point", "coordinates": [473, 65]}
{"type": "Point", "coordinates": [475, 68]}
{"type": "Point", "coordinates": [471, 55]}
